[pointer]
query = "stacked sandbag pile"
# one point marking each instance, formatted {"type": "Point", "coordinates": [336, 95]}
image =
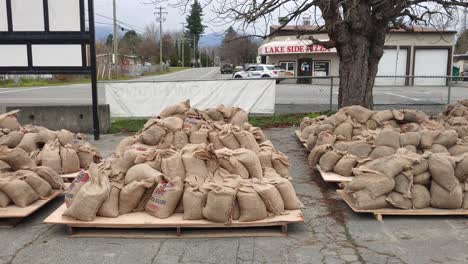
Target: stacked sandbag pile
{"type": "Point", "coordinates": [207, 164]}
{"type": "Point", "coordinates": [63, 151]}
{"type": "Point", "coordinates": [455, 116]}
{"type": "Point", "coordinates": [400, 159]}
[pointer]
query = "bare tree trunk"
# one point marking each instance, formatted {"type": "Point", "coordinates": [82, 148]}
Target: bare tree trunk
{"type": "Point", "coordinates": [359, 59]}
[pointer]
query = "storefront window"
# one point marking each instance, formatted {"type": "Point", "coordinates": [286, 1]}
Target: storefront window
{"type": "Point", "coordinates": [289, 67]}
{"type": "Point", "coordinates": [321, 68]}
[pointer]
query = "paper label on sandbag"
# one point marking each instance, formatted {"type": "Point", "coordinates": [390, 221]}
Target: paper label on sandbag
{"type": "Point", "coordinates": [75, 186]}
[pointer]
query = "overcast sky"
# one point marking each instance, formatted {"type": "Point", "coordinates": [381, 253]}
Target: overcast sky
{"type": "Point", "coordinates": [137, 14]}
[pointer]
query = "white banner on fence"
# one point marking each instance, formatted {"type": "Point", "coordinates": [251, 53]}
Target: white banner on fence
{"type": "Point", "coordinates": [142, 99]}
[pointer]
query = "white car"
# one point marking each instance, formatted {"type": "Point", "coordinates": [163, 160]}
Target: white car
{"type": "Point", "coordinates": [259, 71]}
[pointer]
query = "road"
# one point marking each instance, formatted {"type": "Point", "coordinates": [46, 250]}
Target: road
{"type": "Point", "coordinates": [288, 92]}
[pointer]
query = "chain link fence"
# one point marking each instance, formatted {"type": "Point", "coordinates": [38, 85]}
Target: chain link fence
{"type": "Point", "coordinates": [427, 93]}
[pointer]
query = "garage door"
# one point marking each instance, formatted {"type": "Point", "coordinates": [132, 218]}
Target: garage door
{"type": "Point", "coordinates": [392, 63]}
{"type": "Point", "coordinates": [430, 62]}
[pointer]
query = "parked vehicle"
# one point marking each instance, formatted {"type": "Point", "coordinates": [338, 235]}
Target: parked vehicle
{"type": "Point", "coordinates": [259, 71]}
{"type": "Point", "coordinates": [227, 68]}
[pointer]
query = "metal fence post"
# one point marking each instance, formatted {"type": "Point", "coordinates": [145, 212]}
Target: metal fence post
{"type": "Point", "coordinates": [331, 94]}
{"type": "Point", "coordinates": [449, 93]}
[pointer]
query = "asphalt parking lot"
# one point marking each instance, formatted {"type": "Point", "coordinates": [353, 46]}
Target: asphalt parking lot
{"type": "Point", "coordinates": [332, 233]}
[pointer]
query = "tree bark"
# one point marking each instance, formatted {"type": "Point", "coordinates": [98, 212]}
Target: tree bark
{"type": "Point", "coordinates": [359, 59]}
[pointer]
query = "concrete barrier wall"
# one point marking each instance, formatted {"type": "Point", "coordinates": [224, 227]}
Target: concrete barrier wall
{"type": "Point", "coordinates": [76, 118]}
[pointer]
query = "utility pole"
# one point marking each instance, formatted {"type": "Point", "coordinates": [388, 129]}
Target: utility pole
{"type": "Point", "coordinates": [160, 18]}
{"type": "Point", "coordinates": [194, 53]}
{"type": "Point", "coordinates": [115, 37]}
{"type": "Point", "coordinates": [183, 44]}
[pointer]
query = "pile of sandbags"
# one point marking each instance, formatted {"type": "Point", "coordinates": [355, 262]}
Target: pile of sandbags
{"type": "Point", "coordinates": [400, 158]}
{"type": "Point", "coordinates": [63, 151]}
{"type": "Point", "coordinates": [407, 180]}
{"type": "Point", "coordinates": [28, 183]}
{"type": "Point", "coordinates": [455, 116]}
{"type": "Point", "coordinates": [207, 164]}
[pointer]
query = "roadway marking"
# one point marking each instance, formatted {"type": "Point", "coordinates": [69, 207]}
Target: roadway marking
{"type": "Point", "coordinates": [211, 72]}
{"type": "Point", "coordinates": [402, 96]}
{"type": "Point", "coordinates": [24, 89]}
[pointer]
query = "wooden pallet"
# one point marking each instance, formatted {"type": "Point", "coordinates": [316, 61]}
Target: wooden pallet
{"type": "Point", "coordinates": [333, 177]}
{"type": "Point", "coordinates": [379, 213]}
{"type": "Point", "coordinates": [12, 215]}
{"type": "Point", "coordinates": [143, 225]}
{"type": "Point", "coordinates": [298, 134]}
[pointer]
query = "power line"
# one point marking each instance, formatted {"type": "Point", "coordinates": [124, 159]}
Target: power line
{"type": "Point", "coordinates": [136, 28]}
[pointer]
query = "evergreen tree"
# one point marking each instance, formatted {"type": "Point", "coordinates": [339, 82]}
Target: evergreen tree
{"type": "Point", "coordinates": [461, 47]}
{"type": "Point", "coordinates": [109, 40]}
{"type": "Point", "coordinates": [195, 27]}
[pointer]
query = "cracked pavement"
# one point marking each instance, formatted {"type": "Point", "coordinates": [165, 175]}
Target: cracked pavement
{"type": "Point", "coordinates": [332, 233]}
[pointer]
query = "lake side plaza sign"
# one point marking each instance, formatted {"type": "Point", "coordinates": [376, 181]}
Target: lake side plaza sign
{"type": "Point", "coordinates": [277, 47]}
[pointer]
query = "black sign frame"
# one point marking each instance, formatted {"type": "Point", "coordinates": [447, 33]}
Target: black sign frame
{"type": "Point", "coordinates": [82, 37]}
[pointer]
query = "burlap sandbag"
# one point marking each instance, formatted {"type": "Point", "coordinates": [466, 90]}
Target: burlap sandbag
{"type": "Point", "coordinates": [345, 165]}
{"type": "Point", "coordinates": [281, 163]}
{"type": "Point", "coordinates": [132, 193]}
{"type": "Point", "coordinates": [75, 186]}
{"type": "Point", "coordinates": [39, 185]}
{"type": "Point", "coordinates": [365, 201]}
{"type": "Point", "coordinates": [49, 175]}
{"type": "Point", "coordinates": [411, 148]}
{"type": "Point", "coordinates": [382, 116]}
{"type": "Point", "coordinates": [128, 159]}
{"type": "Point", "coordinates": [215, 114]}
{"type": "Point", "coordinates": [145, 198]}
{"type": "Point", "coordinates": [325, 138]}
{"type": "Point", "coordinates": [251, 205]}
{"type": "Point", "coordinates": [180, 139]}
{"type": "Point", "coordinates": [337, 118]}
{"type": "Point", "coordinates": [316, 153]}
{"type": "Point", "coordinates": [270, 196]}
{"type": "Point", "coordinates": [447, 138]}
{"type": "Point", "coordinates": [226, 136]}
{"type": "Point", "coordinates": [167, 142]}
{"type": "Point", "coordinates": [410, 138]}
{"type": "Point", "coordinates": [232, 165]}
{"type": "Point", "coordinates": [70, 160]}
{"type": "Point", "coordinates": [288, 194]}
{"type": "Point", "coordinates": [442, 171]}
{"type": "Point", "coordinates": [200, 136]}
{"type": "Point", "coordinates": [344, 130]}
{"type": "Point", "coordinates": [142, 172]}
{"type": "Point", "coordinates": [464, 204]}
{"type": "Point", "coordinates": [219, 204]}
{"type": "Point", "coordinates": [376, 184]}
{"type": "Point", "coordinates": [381, 151]}
{"type": "Point", "coordinates": [310, 130]}
{"type": "Point", "coordinates": [9, 120]}
{"type": "Point", "coordinates": [4, 200]}
{"type": "Point", "coordinates": [110, 206]}
{"type": "Point", "coordinates": [403, 184]}
{"type": "Point", "coordinates": [428, 138]}
{"type": "Point", "coordinates": [87, 155]}
{"type": "Point", "coordinates": [458, 149]}
{"type": "Point", "coordinates": [388, 138]}
{"type": "Point", "coordinates": [179, 108]}
{"type": "Point", "coordinates": [420, 196]}
{"type": "Point", "coordinates": [437, 148]}
{"type": "Point", "coordinates": [172, 164]}
{"type": "Point", "coordinates": [390, 166]}
{"type": "Point", "coordinates": [194, 200]}
{"type": "Point", "coordinates": [12, 139]}
{"type": "Point", "coordinates": [251, 162]}
{"type": "Point", "coordinates": [265, 157]}
{"type": "Point", "coordinates": [50, 156]}
{"type": "Point", "coordinates": [90, 197]}
{"type": "Point", "coordinates": [172, 123]}
{"type": "Point", "coordinates": [360, 149]}
{"type": "Point", "coordinates": [328, 161]}
{"type": "Point", "coordinates": [414, 116]}
{"type": "Point", "coordinates": [240, 117]}
{"type": "Point", "coordinates": [28, 142]}
{"type": "Point", "coordinates": [311, 141]}
{"type": "Point", "coordinates": [247, 140]}
{"type": "Point", "coordinates": [422, 179]}
{"type": "Point", "coordinates": [15, 158]}
{"type": "Point", "coordinates": [397, 200]}
{"type": "Point", "coordinates": [165, 198]}
{"type": "Point", "coordinates": [443, 199]}
{"type": "Point", "coordinates": [213, 137]}
{"type": "Point", "coordinates": [124, 145]}
{"type": "Point", "coordinates": [461, 169]}
{"type": "Point", "coordinates": [21, 193]}
{"type": "Point", "coordinates": [45, 136]}
{"type": "Point", "coordinates": [65, 137]}
{"type": "Point", "coordinates": [153, 135]}
{"type": "Point", "coordinates": [358, 112]}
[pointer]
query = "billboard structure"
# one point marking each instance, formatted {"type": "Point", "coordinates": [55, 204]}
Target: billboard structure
{"type": "Point", "coordinates": [49, 37]}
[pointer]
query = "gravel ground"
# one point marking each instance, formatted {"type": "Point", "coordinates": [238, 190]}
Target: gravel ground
{"type": "Point", "coordinates": [332, 233]}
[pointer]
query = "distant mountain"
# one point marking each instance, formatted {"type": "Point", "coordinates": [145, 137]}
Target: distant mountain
{"type": "Point", "coordinates": [212, 40]}
{"type": "Point", "coordinates": [102, 32]}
